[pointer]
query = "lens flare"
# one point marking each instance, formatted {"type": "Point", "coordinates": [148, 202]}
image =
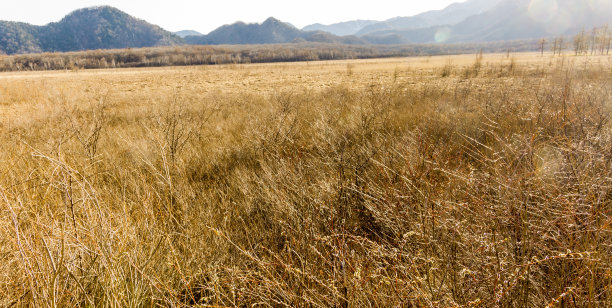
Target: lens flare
{"type": "Point", "coordinates": [443, 35]}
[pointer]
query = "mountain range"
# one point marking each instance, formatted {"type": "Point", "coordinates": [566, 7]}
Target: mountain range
{"type": "Point", "coordinates": [105, 27]}
{"type": "Point", "coordinates": [485, 20]}
{"type": "Point", "coordinates": [452, 14]}
{"type": "Point", "coordinates": [515, 20]}
{"type": "Point", "coordinates": [271, 31]}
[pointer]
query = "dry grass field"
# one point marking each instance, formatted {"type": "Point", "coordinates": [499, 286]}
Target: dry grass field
{"type": "Point", "coordinates": [463, 181]}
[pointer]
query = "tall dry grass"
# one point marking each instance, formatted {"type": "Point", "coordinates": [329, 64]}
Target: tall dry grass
{"type": "Point", "coordinates": [490, 187]}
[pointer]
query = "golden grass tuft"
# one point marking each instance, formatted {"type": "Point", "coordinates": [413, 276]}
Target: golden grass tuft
{"type": "Point", "coordinates": [337, 184]}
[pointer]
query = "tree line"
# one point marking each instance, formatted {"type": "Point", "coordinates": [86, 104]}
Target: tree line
{"type": "Point", "coordinates": [595, 42]}
{"type": "Point", "coordinates": [240, 54]}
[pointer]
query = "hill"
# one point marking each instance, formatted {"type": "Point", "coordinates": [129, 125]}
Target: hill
{"type": "Point", "coordinates": [185, 33]}
{"type": "Point", "coordinates": [100, 27]}
{"type": "Point", "coordinates": [342, 28]}
{"type": "Point", "coordinates": [16, 37]}
{"type": "Point", "coordinates": [271, 31]}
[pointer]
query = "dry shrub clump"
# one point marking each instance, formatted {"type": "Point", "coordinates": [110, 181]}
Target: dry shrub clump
{"type": "Point", "coordinates": [486, 191]}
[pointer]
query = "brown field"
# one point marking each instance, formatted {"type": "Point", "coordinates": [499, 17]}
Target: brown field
{"type": "Point", "coordinates": [449, 181]}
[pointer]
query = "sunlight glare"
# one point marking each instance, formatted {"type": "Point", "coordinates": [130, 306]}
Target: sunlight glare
{"type": "Point", "coordinates": [600, 5]}
{"type": "Point", "coordinates": [543, 10]}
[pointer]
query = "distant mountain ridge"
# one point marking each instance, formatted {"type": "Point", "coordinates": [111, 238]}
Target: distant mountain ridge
{"type": "Point", "coordinates": [105, 27]}
{"type": "Point", "coordinates": [185, 33]}
{"type": "Point", "coordinates": [484, 21]}
{"type": "Point", "coordinates": [341, 28]}
{"type": "Point", "coordinates": [100, 27]}
{"type": "Point", "coordinates": [513, 20]}
{"type": "Point", "coordinates": [452, 14]}
{"type": "Point", "coordinates": [271, 31]}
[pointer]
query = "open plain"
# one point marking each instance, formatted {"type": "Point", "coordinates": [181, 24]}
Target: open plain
{"type": "Point", "coordinates": [448, 181]}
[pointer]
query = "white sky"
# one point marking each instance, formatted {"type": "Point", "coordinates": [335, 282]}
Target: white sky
{"type": "Point", "coordinates": [207, 15]}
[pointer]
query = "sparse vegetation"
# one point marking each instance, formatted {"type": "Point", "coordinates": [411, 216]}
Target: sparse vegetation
{"type": "Point", "coordinates": [328, 184]}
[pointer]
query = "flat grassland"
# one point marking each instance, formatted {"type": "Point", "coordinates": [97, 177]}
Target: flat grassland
{"type": "Point", "coordinates": [474, 180]}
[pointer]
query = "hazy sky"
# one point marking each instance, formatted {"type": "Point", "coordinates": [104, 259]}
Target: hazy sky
{"type": "Point", "coordinates": [206, 15]}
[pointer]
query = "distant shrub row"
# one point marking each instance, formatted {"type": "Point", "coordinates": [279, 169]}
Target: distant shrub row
{"type": "Point", "coordinates": [210, 55]}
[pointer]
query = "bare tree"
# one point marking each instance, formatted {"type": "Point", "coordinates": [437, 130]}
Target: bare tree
{"type": "Point", "coordinates": [593, 41]}
{"type": "Point", "coordinates": [603, 39]}
{"type": "Point", "coordinates": [581, 44]}
{"type": "Point", "coordinates": [609, 42]}
{"type": "Point", "coordinates": [557, 46]}
{"type": "Point", "coordinates": [542, 44]}
{"type": "Point", "coordinates": [578, 42]}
